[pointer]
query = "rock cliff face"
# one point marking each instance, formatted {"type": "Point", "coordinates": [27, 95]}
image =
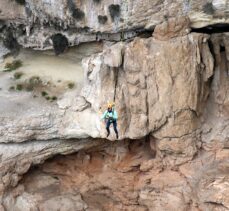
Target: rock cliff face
{"type": "Point", "coordinates": [164, 64]}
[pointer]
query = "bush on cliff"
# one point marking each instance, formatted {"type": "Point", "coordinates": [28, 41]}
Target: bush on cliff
{"type": "Point", "coordinates": [13, 66]}
{"type": "Point", "coordinates": [22, 2]}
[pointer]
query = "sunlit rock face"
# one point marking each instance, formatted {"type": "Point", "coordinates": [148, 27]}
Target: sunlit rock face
{"type": "Point", "coordinates": [169, 86]}
{"type": "Point", "coordinates": [149, 91]}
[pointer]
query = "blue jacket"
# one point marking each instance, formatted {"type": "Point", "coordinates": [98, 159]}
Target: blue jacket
{"type": "Point", "coordinates": [108, 114]}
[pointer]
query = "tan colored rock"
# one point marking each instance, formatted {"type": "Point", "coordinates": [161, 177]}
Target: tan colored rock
{"type": "Point", "coordinates": [149, 89]}
{"type": "Point", "coordinates": [113, 56]}
{"type": "Point", "coordinates": [16, 159]}
{"type": "Point", "coordinates": [173, 27]}
{"type": "Point", "coordinates": [102, 183]}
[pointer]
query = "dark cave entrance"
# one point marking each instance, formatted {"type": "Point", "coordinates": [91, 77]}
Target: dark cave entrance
{"type": "Point", "coordinates": [212, 29]}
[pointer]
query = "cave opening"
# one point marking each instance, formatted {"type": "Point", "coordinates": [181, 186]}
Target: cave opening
{"type": "Point", "coordinates": [95, 178]}
{"type": "Point", "coordinates": [212, 29]}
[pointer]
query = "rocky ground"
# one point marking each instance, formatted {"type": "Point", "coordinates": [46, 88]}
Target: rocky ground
{"type": "Point", "coordinates": [164, 64]}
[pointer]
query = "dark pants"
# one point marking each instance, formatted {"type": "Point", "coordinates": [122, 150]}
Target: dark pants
{"type": "Point", "coordinates": [114, 125]}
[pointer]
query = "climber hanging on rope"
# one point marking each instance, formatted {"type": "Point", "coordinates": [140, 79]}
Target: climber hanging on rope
{"type": "Point", "coordinates": [110, 116]}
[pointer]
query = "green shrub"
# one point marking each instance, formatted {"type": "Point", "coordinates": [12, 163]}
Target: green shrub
{"type": "Point", "coordinates": [54, 98]}
{"type": "Point", "coordinates": [60, 43]}
{"type": "Point", "coordinates": [47, 98]}
{"type": "Point", "coordinates": [13, 66]}
{"type": "Point", "coordinates": [208, 8]}
{"type": "Point", "coordinates": [71, 85]}
{"type": "Point", "coordinates": [19, 87]}
{"type": "Point", "coordinates": [102, 19]}
{"type": "Point", "coordinates": [18, 75]}
{"type": "Point", "coordinates": [44, 93]}
{"type": "Point", "coordinates": [12, 88]}
{"type": "Point", "coordinates": [114, 10]}
{"type": "Point", "coordinates": [33, 82]}
{"type": "Point", "coordinates": [97, 1]}
{"type": "Point", "coordinates": [22, 2]}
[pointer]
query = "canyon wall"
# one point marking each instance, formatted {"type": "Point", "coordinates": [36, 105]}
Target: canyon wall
{"type": "Point", "coordinates": [164, 64]}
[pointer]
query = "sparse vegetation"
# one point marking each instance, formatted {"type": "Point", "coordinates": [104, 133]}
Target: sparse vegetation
{"type": "Point", "coordinates": [102, 19]}
{"type": "Point", "coordinates": [18, 75]}
{"type": "Point", "coordinates": [54, 98]}
{"type": "Point", "coordinates": [33, 82]}
{"type": "Point", "coordinates": [12, 88]}
{"type": "Point", "coordinates": [44, 93]}
{"type": "Point", "coordinates": [47, 97]}
{"type": "Point", "coordinates": [13, 66]}
{"type": "Point", "coordinates": [60, 43]}
{"type": "Point", "coordinates": [114, 10]}
{"type": "Point", "coordinates": [19, 87]}
{"type": "Point", "coordinates": [22, 2]}
{"type": "Point", "coordinates": [71, 85]}
{"type": "Point", "coordinates": [208, 8]}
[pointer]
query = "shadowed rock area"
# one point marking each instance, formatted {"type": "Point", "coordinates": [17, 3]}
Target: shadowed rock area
{"type": "Point", "coordinates": [128, 175]}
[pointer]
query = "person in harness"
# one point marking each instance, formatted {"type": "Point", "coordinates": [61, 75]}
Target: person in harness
{"type": "Point", "coordinates": [110, 116]}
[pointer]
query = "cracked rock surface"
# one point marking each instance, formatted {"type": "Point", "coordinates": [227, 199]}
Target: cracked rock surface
{"type": "Point", "coordinates": [170, 88]}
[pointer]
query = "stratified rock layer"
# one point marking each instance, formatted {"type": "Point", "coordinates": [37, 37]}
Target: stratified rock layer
{"type": "Point", "coordinates": [124, 176]}
{"type": "Point", "coordinates": [170, 91]}
{"type": "Point", "coordinates": [34, 22]}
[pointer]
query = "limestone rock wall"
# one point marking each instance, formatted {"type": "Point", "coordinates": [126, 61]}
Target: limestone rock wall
{"type": "Point", "coordinates": [123, 176]}
{"type": "Point", "coordinates": [34, 22]}
{"type": "Point", "coordinates": [171, 93]}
